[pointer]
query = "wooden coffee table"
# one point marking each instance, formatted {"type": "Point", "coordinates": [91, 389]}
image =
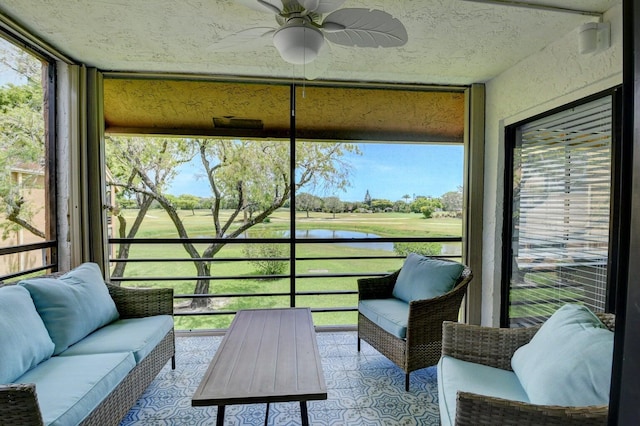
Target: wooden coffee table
{"type": "Point", "coordinates": [267, 355]}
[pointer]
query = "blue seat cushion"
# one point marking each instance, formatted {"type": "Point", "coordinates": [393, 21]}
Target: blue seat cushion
{"type": "Point", "coordinates": [392, 315]}
{"type": "Point", "coordinates": [136, 335]}
{"type": "Point", "coordinates": [424, 277]}
{"type": "Point", "coordinates": [73, 305]}
{"type": "Point", "coordinates": [24, 340]}
{"type": "Point", "coordinates": [456, 375]}
{"type": "Point", "coordinates": [69, 388]}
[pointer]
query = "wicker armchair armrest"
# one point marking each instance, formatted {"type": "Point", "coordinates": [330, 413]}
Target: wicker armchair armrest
{"type": "Point", "coordinates": [427, 315]}
{"type": "Point", "coordinates": [609, 320]}
{"type": "Point", "coordinates": [377, 287]}
{"type": "Point", "coordinates": [19, 405]}
{"type": "Point", "coordinates": [142, 302]}
{"type": "Point", "coordinates": [474, 410]}
{"type": "Point", "coordinates": [484, 345]}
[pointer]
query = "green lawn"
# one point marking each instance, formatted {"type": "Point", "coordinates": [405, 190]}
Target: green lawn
{"type": "Point", "coordinates": [158, 225]}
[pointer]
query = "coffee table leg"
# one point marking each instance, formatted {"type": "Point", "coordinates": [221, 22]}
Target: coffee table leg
{"type": "Point", "coordinates": [220, 416]}
{"type": "Point", "coordinates": [303, 413]}
{"type": "Point", "coordinates": [266, 416]}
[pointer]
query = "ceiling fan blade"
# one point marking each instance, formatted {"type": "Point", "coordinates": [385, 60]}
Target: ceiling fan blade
{"type": "Point", "coordinates": [321, 6]}
{"type": "Point", "coordinates": [364, 28]}
{"type": "Point", "coordinates": [242, 38]}
{"type": "Point", "coordinates": [273, 6]}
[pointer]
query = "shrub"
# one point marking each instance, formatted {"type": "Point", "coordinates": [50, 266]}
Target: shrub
{"type": "Point", "coordinates": [425, 249]}
{"type": "Point", "coordinates": [266, 250]}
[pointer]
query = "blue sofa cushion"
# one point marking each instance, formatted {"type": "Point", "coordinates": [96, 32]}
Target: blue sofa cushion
{"type": "Point", "coordinates": [456, 375]}
{"type": "Point", "coordinates": [137, 335]}
{"type": "Point", "coordinates": [425, 278]}
{"type": "Point", "coordinates": [391, 315]}
{"type": "Point", "coordinates": [568, 362]}
{"type": "Point", "coordinates": [24, 340]}
{"type": "Point", "coordinates": [69, 388]}
{"type": "Point", "coordinates": [73, 305]}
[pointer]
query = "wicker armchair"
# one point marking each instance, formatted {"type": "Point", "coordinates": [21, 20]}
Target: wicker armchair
{"type": "Point", "coordinates": [495, 347]}
{"type": "Point", "coordinates": [422, 346]}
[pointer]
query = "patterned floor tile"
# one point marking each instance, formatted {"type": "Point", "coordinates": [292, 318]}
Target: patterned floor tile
{"type": "Point", "coordinates": [364, 389]}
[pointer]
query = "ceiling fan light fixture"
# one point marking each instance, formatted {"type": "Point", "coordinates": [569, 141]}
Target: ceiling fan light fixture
{"type": "Point", "coordinates": [298, 43]}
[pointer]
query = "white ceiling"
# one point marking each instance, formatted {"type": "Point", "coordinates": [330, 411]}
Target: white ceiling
{"type": "Point", "coordinates": [450, 41]}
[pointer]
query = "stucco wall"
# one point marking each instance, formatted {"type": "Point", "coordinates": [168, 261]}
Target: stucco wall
{"type": "Point", "coordinates": [555, 76]}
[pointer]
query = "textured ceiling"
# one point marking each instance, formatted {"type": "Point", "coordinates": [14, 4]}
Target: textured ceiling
{"type": "Point", "coordinates": [450, 41]}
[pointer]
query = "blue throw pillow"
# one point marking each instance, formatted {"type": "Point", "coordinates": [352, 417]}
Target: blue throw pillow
{"type": "Point", "coordinates": [425, 278]}
{"type": "Point", "coordinates": [73, 305]}
{"type": "Point", "coordinates": [24, 341]}
{"type": "Point", "coordinates": [568, 362]}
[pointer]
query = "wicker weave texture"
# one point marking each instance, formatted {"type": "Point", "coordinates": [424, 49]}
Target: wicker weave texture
{"type": "Point", "coordinates": [479, 410]}
{"type": "Point", "coordinates": [422, 345]}
{"type": "Point", "coordinates": [495, 347]}
{"type": "Point", "coordinates": [142, 302]}
{"type": "Point", "coordinates": [19, 405]}
{"type": "Point", "coordinates": [484, 345]}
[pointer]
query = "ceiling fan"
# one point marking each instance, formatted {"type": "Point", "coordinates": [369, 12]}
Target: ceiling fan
{"type": "Point", "coordinates": [302, 29]}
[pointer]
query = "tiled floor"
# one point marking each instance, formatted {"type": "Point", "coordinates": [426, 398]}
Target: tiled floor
{"type": "Point", "coordinates": [364, 389]}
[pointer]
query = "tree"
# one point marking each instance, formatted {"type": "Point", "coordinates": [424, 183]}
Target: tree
{"type": "Point", "coordinates": [308, 202]}
{"type": "Point", "coordinates": [333, 205]}
{"type": "Point", "coordinates": [22, 142]}
{"type": "Point", "coordinates": [381, 204]}
{"type": "Point", "coordinates": [430, 204]}
{"type": "Point", "coordinates": [241, 173]}
{"type": "Point", "coordinates": [143, 167]}
{"type": "Point", "coordinates": [452, 200]}
{"type": "Point", "coordinates": [406, 198]}
{"type": "Point", "coordinates": [400, 206]}
{"type": "Point", "coordinates": [367, 199]}
{"type": "Point", "coordinates": [188, 202]}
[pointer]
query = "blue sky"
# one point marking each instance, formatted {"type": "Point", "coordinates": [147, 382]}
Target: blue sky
{"type": "Point", "coordinates": [387, 171]}
{"type": "Point", "coordinates": [391, 171]}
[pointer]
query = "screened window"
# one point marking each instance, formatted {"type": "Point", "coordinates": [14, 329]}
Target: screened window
{"type": "Point", "coordinates": [560, 212]}
{"type": "Point", "coordinates": [27, 212]}
{"type": "Point", "coordinates": [286, 196]}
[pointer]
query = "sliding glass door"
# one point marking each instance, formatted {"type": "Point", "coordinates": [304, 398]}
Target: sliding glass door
{"type": "Point", "coordinates": [558, 220]}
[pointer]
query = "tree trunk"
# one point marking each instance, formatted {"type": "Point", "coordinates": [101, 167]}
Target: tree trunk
{"type": "Point", "coordinates": [123, 250]}
{"type": "Point", "coordinates": [202, 285]}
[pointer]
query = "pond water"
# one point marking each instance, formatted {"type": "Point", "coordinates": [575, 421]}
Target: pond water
{"type": "Point", "coordinates": [447, 248]}
{"type": "Point", "coordinates": [329, 233]}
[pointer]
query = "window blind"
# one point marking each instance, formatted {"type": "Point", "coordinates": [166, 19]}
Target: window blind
{"type": "Point", "coordinates": [561, 206]}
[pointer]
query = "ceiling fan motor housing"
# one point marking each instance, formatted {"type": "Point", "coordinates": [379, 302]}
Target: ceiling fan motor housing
{"type": "Point", "coordinates": [298, 42]}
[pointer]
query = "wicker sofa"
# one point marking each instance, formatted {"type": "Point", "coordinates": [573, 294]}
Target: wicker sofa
{"type": "Point", "coordinates": [139, 343]}
{"type": "Point", "coordinates": [495, 347]}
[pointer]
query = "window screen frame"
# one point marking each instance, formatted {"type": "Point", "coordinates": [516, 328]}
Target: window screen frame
{"type": "Point", "coordinates": [50, 244]}
{"type": "Point", "coordinates": [511, 133]}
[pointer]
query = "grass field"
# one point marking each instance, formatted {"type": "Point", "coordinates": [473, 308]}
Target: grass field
{"type": "Point", "coordinates": [158, 225]}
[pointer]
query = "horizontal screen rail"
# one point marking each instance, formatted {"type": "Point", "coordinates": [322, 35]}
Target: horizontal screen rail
{"type": "Point", "coordinates": [249, 277]}
{"type": "Point", "coordinates": [50, 267]}
{"type": "Point", "coordinates": [228, 295]}
{"type": "Point", "coordinates": [27, 247]}
{"type": "Point", "coordinates": [233, 312]}
{"type": "Point", "coordinates": [282, 240]}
